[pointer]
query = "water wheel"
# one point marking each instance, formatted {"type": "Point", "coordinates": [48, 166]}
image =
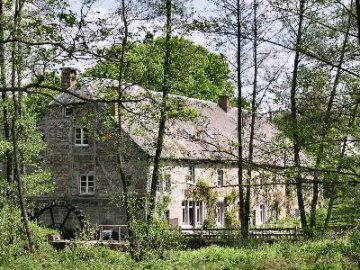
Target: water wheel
{"type": "Point", "coordinates": [61, 216]}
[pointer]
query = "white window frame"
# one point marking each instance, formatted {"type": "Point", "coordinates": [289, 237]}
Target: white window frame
{"type": "Point", "coordinates": [198, 212]}
{"type": "Point", "coordinates": [89, 184]}
{"type": "Point", "coordinates": [185, 212]}
{"type": "Point", "coordinates": [165, 182]}
{"type": "Point", "coordinates": [220, 178]}
{"type": "Point", "coordinates": [81, 136]}
{"type": "Point", "coordinates": [220, 214]}
{"type": "Point", "coordinates": [190, 178]}
{"type": "Point", "coordinates": [262, 213]}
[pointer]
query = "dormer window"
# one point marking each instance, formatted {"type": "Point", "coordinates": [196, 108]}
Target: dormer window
{"type": "Point", "coordinates": [68, 111]}
{"type": "Point", "coordinates": [209, 133]}
{"type": "Point", "coordinates": [81, 136]}
{"type": "Point", "coordinates": [189, 132]}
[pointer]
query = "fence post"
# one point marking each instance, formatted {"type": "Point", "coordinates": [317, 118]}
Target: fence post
{"type": "Point", "coordinates": [101, 233]}
{"type": "Point", "coordinates": [296, 236]}
{"type": "Point", "coordinates": [119, 233]}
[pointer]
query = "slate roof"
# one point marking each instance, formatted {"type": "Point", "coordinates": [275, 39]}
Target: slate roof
{"type": "Point", "coordinates": [211, 135]}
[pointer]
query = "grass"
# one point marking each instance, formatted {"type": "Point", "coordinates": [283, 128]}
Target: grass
{"type": "Point", "coordinates": [320, 254]}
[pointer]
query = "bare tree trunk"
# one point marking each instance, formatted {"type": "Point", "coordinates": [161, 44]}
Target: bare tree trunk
{"type": "Point", "coordinates": [120, 90]}
{"type": "Point", "coordinates": [325, 127]}
{"type": "Point", "coordinates": [242, 206]}
{"type": "Point", "coordinates": [166, 86]}
{"type": "Point", "coordinates": [16, 162]}
{"type": "Point", "coordinates": [253, 114]}
{"type": "Point", "coordinates": [293, 101]}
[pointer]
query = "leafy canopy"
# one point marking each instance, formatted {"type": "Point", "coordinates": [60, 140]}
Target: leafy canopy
{"type": "Point", "coordinates": [195, 72]}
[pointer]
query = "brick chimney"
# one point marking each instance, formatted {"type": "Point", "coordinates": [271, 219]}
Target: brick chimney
{"type": "Point", "coordinates": [68, 77]}
{"type": "Point", "coordinates": [224, 103]}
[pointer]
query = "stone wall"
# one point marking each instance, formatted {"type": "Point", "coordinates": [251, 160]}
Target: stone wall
{"type": "Point", "coordinates": [266, 195]}
{"type": "Point", "coordinates": [99, 158]}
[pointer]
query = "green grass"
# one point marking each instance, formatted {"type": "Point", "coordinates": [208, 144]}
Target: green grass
{"type": "Point", "coordinates": [332, 253]}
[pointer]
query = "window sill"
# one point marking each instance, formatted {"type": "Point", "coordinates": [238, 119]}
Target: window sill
{"type": "Point", "coordinates": [87, 194]}
{"type": "Point", "coordinates": [81, 145]}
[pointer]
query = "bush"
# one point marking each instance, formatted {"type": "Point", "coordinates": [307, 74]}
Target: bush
{"type": "Point", "coordinates": [153, 240]}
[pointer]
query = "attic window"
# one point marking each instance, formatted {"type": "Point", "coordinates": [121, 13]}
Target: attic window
{"type": "Point", "coordinates": [189, 132]}
{"type": "Point", "coordinates": [68, 111]}
{"type": "Point", "coordinates": [209, 133]}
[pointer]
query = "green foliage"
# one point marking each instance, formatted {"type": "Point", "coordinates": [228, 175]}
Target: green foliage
{"type": "Point", "coordinates": [36, 103]}
{"type": "Point", "coordinates": [340, 253]}
{"type": "Point", "coordinates": [153, 240]}
{"type": "Point", "coordinates": [195, 72]}
{"type": "Point", "coordinates": [231, 197]}
{"type": "Point", "coordinates": [201, 191]}
{"type": "Point", "coordinates": [163, 205]}
{"type": "Point", "coordinates": [230, 220]}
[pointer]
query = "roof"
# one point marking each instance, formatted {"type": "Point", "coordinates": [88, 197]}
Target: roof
{"type": "Point", "coordinates": [210, 135]}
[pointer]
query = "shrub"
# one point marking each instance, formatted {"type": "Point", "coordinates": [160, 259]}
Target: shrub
{"type": "Point", "coordinates": [153, 240]}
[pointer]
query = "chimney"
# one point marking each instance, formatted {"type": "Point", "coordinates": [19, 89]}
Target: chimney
{"type": "Point", "coordinates": [68, 77]}
{"type": "Point", "coordinates": [224, 103]}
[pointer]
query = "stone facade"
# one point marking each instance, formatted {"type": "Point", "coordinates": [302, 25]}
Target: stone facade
{"type": "Point", "coordinates": [268, 203]}
{"type": "Point", "coordinates": [84, 162]}
{"type": "Point", "coordinates": [71, 161]}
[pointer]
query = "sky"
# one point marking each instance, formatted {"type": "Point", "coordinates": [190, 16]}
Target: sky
{"type": "Point", "coordinates": [101, 8]}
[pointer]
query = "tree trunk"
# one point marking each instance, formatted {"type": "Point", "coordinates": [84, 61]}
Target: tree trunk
{"type": "Point", "coordinates": [118, 107]}
{"type": "Point", "coordinates": [338, 169]}
{"type": "Point", "coordinates": [4, 96]}
{"type": "Point", "coordinates": [242, 206]}
{"type": "Point", "coordinates": [253, 115]}
{"type": "Point", "coordinates": [293, 101]}
{"type": "Point", "coordinates": [325, 127]}
{"type": "Point", "coordinates": [163, 116]}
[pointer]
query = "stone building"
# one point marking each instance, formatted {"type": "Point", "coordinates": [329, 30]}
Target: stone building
{"type": "Point", "coordinates": [83, 155]}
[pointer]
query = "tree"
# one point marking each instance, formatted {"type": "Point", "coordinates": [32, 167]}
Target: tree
{"type": "Point", "coordinates": [28, 43]}
{"type": "Point", "coordinates": [196, 72]}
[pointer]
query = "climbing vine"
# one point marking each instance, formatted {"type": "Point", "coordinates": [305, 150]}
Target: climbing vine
{"type": "Point", "coordinates": [201, 191]}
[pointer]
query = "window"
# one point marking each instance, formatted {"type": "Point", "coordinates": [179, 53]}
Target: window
{"type": "Point", "coordinates": [87, 185]}
{"type": "Point", "coordinates": [192, 213]}
{"type": "Point", "coordinates": [164, 182]}
{"type": "Point", "coordinates": [275, 212]}
{"type": "Point", "coordinates": [167, 182]}
{"type": "Point", "coordinates": [262, 213]}
{"type": "Point", "coordinates": [198, 214]}
{"type": "Point", "coordinates": [81, 136]}
{"type": "Point", "coordinates": [209, 133]}
{"type": "Point", "coordinates": [185, 219]}
{"type": "Point", "coordinates": [68, 111]}
{"type": "Point", "coordinates": [254, 217]}
{"type": "Point", "coordinates": [189, 132]}
{"type": "Point", "coordinates": [191, 174]}
{"type": "Point", "coordinates": [220, 213]}
{"type": "Point", "coordinates": [220, 178]}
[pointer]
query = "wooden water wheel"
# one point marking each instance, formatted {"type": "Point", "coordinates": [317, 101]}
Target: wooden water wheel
{"type": "Point", "coordinates": [61, 216]}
